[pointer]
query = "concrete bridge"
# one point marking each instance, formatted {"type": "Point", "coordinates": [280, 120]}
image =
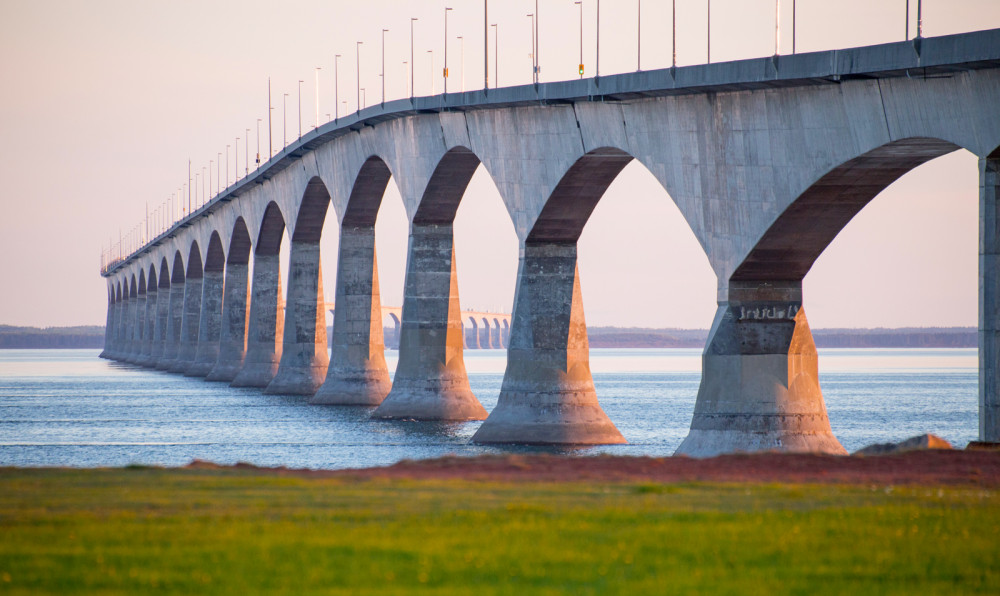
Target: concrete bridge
{"type": "Point", "coordinates": [767, 160]}
{"type": "Point", "coordinates": [480, 329]}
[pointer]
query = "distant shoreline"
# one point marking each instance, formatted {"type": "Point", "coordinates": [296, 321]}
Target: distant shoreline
{"type": "Point", "coordinates": [92, 337]}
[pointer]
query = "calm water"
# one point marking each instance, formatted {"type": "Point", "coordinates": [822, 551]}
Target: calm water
{"type": "Point", "coordinates": [68, 407]}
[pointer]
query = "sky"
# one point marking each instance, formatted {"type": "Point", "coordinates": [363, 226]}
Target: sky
{"type": "Point", "coordinates": [104, 102]}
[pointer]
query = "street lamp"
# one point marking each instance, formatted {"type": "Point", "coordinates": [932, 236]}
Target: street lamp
{"type": "Point", "coordinates": [777, 26]}
{"type": "Point", "coordinates": [284, 120]}
{"type": "Point", "coordinates": [258, 144]}
{"type": "Point", "coordinates": [708, 29]}
{"type": "Point", "coordinates": [486, 45]}
{"type": "Point", "coordinates": [227, 162]}
{"type": "Point", "coordinates": [246, 152]}
{"type": "Point", "coordinates": [462, 62]}
{"type": "Point", "coordinates": [411, 57]}
{"type": "Point", "coordinates": [673, 37]}
{"type": "Point", "coordinates": [446, 11]}
{"type": "Point", "coordinates": [638, 36]}
{"type": "Point", "coordinates": [496, 55]}
{"type": "Point", "coordinates": [597, 60]}
{"type": "Point", "coordinates": [580, 4]}
{"type": "Point", "coordinates": [336, 91]}
{"type": "Point", "coordinates": [316, 103]}
{"type": "Point", "coordinates": [300, 109]}
{"type": "Point", "coordinates": [270, 145]}
{"type": "Point", "coordinates": [357, 56]}
{"type": "Point", "coordinates": [534, 75]}
{"type": "Point", "coordinates": [384, 31]}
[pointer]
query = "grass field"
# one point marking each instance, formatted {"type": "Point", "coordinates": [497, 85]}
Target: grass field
{"type": "Point", "coordinates": [154, 531]}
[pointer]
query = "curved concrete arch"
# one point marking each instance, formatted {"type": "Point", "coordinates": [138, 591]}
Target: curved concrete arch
{"type": "Point", "coordinates": [187, 347]}
{"type": "Point", "coordinates": [149, 318]}
{"type": "Point", "coordinates": [357, 372]}
{"type": "Point", "coordinates": [235, 314]}
{"type": "Point", "coordinates": [304, 356]}
{"type": "Point", "coordinates": [431, 382]}
{"type": "Point", "coordinates": [162, 314]}
{"type": "Point", "coordinates": [266, 325]}
{"type": "Point", "coordinates": [175, 312]}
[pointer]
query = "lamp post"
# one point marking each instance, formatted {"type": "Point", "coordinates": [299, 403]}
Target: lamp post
{"type": "Point", "coordinates": [270, 145]}
{"type": "Point", "coordinates": [597, 61]}
{"type": "Point", "coordinates": [673, 36]}
{"type": "Point", "coordinates": [486, 45]}
{"type": "Point", "coordinates": [246, 152]}
{"type": "Point", "coordinates": [708, 28]}
{"type": "Point", "coordinates": [638, 36]}
{"type": "Point", "coordinates": [357, 57]}
{"type": "Point", "coordinates": [336, 91]}
{"type": "Point", "coordinates": [496, 55]}
{"type": "Point", "coordinates": [445, 72]}
{"type": "Point", "coordinates": [777, 26]}
{"type": "Point", "coordinates": [433, 78]}
{"type": "Point", "coordinates": [793, 26]}
{"type": "Point", "coordinates": [384, 31]}
{"type": "Point", "coordinates": [300, 109]}
{"type": "Point", "coordinates": [411, 58]}
{"type": "Point", "coordinates": [534, 78]}
{"type": "Point", "coordinates": [284, 120]}
{"type": "Point", "coordinates": [580, 4]}
{"type": "Point", "coordinates": [258, 145]}
{"type": "Point", "coordinates": [462, 61]}
{"type": "Point", "coordinates": [920, 20]}
{"type": "Point", "coordinates": [218, 173]}
{"type": "Point", "coordinates": [316, 103]}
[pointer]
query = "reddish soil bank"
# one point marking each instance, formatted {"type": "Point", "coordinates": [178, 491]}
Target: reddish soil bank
{"type": "Point", "coordinates": [927, 467]}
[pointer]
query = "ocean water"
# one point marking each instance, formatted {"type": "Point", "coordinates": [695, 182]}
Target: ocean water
{"type": "Point", "coordinates": [71, 408]}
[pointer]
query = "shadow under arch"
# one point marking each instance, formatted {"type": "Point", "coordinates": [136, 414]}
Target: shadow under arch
{"type": "Point", "coordinates": [304, 358]}
{"type": "Point", "coordinates": [191, 311]}
{"type": "Point", "coordinates": [266, 324]}
{"type": "Point", "coordinates": [162, 314]}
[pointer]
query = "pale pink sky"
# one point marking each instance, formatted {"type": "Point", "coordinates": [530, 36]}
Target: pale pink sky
{"type": "Point", "coordinates": [104, 101]}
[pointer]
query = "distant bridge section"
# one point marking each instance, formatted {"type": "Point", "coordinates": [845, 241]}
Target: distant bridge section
{"type": "Point", "coordinates": [481, 329]}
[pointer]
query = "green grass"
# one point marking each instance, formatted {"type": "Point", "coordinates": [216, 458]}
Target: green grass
{"type": "Point", "coordinates": [141, 530]}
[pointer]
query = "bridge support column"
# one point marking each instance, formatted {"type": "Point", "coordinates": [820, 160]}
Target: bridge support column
{"type": "Point", "coordinates": [111, 334]}
{"type": "Point", "coordinates": [123, 329]}
{"type": "Point", "coordinates": [548, 396]}
{"type": "Point", "coordinates": [989, 299]}
{"type": "Point", "coordinates": [108, 330]}
{"type": "Point", "coordinates": [760, 384]}
{"type": "Point", "coordinates": [472, 336]}
{"type": "Point", "coordinates": [430, 381]}
{"type": "Point", "coordinates": [207, 351]}
{"type": "Point", "coordinates": [172, 340]}
{"type": "Point", "coordinates": [160, 326]}
{"type": "Point", "coordinates": [233, 332]}
{"type": "Point", "coordinates": [146, 354]}
{"type": "Point", "coordinates": [266, 325]}
{"type": "Point", "coordinates": [304, 356]}
{"type": "Point", "coordinates": [138, 321]}
{"type": "Point", "coordinates": [357, 374]}
{"type": "Point", "coordinates": [187, 347]}
{"type": "Point", "coordinates": [484, 335]}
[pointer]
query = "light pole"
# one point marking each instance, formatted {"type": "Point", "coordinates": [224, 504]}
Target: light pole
{"type": "Point", "coordinates": [462, 61]}
{"type": "Point", "coordinates": [638, 36]}
{"type": "Point", "coordinates": [384, 31]}
{"type": "Point", "coordinates": [357, 57]}
{"type": "Point", "coordinates": [793, 26]}
{"type": "Point", "coordinates": [673, 36]}
{"type": "Point", "coordinates": [708, 29]}
{"type": "Point", "coordinates": [300, 109]}
{"type": "Point", "coordinates": [270, 145]}
{"type": "Point", "coordinates": [597, 60]}
{"type": "Point", "coordinates": [920, 20]}
{"type": "Point", "coordinates": [777, 26]}
{"type": "Point", "coordinates": [258, 144]}
{"type": "Point", "coordinates": [284, 120]}
{"type": "Point", "coordinates": [218, 172]}
{"type": "Point", "coordinates": [236, 162]}
{"type": "Point", "coordinates": [336, 91]}
{"type": "Point", "coordinates": [496, 55]}
{"type": "Point", "coordinates": [538, 48]}
{"type": "Point", "coordinates": [534, 77]}
{"type": "Point", "coordinates": [445, 72]}
{"type": "Point", "coordinates": [318, 68]}
{"type": "Point", "coordinates": [486, 45]}
{"type": "Point", "coordinates": [433, 78]}
{"type": "Point", "coordinates": [580, 4]}
{"type": "Point", "coordinates": [227, 162]}
{"type": "Point", "coordinates": [411, 58]}
{"type": "Point", "coordinates": [246, 152]}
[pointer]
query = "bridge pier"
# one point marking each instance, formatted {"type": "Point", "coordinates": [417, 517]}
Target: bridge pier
{"type": "Point", "coordinates": [135, 331]}
{"type": "Point", "coordinates": [357, 373]}
{"type": "Point", "coordinates": [160, 325]}
{"type": "Point", "coordinates": [760, 384]}
{"type": "Point", "coordinates": [430, 381]}
{"type": "Point", "coordinates": [187, 347]}
{"type": "Point", "coordinates": [266, 324]}
{"type": "Point", "coordinates": [108, 329]}
{"type": "Point", "coordinates": [484, 334]}
{"type": "Point", "coordinates": [304, 356]}
{"type": "Point", "coordinates": [548, 396]}
{"type": "Point", "coordinates": [989, 298]}
{"type": "Point", "coordinates": [472, 335]}
{"type": "Point", "coordinates": [171, 342]}
{"type": "Point", "coordinates": [146, 353]}
{"type": "Point", "coordinates": [233, 328]}
{"type": "Point", "coordinates": [207, 350]}
{"type": "Point", "coordinates": [111, 334]}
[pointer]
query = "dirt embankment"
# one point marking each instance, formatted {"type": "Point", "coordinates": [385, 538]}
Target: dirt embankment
{"type": "Point", "coordinates": [929, 467]}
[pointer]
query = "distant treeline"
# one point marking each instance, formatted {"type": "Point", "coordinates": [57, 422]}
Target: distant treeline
{"type": "Point", "coordinates": [91, 336]}
{"type": "Point", "coordinates": [907, 337]}
{"type": "Point", "coordinates": [599, 337]}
